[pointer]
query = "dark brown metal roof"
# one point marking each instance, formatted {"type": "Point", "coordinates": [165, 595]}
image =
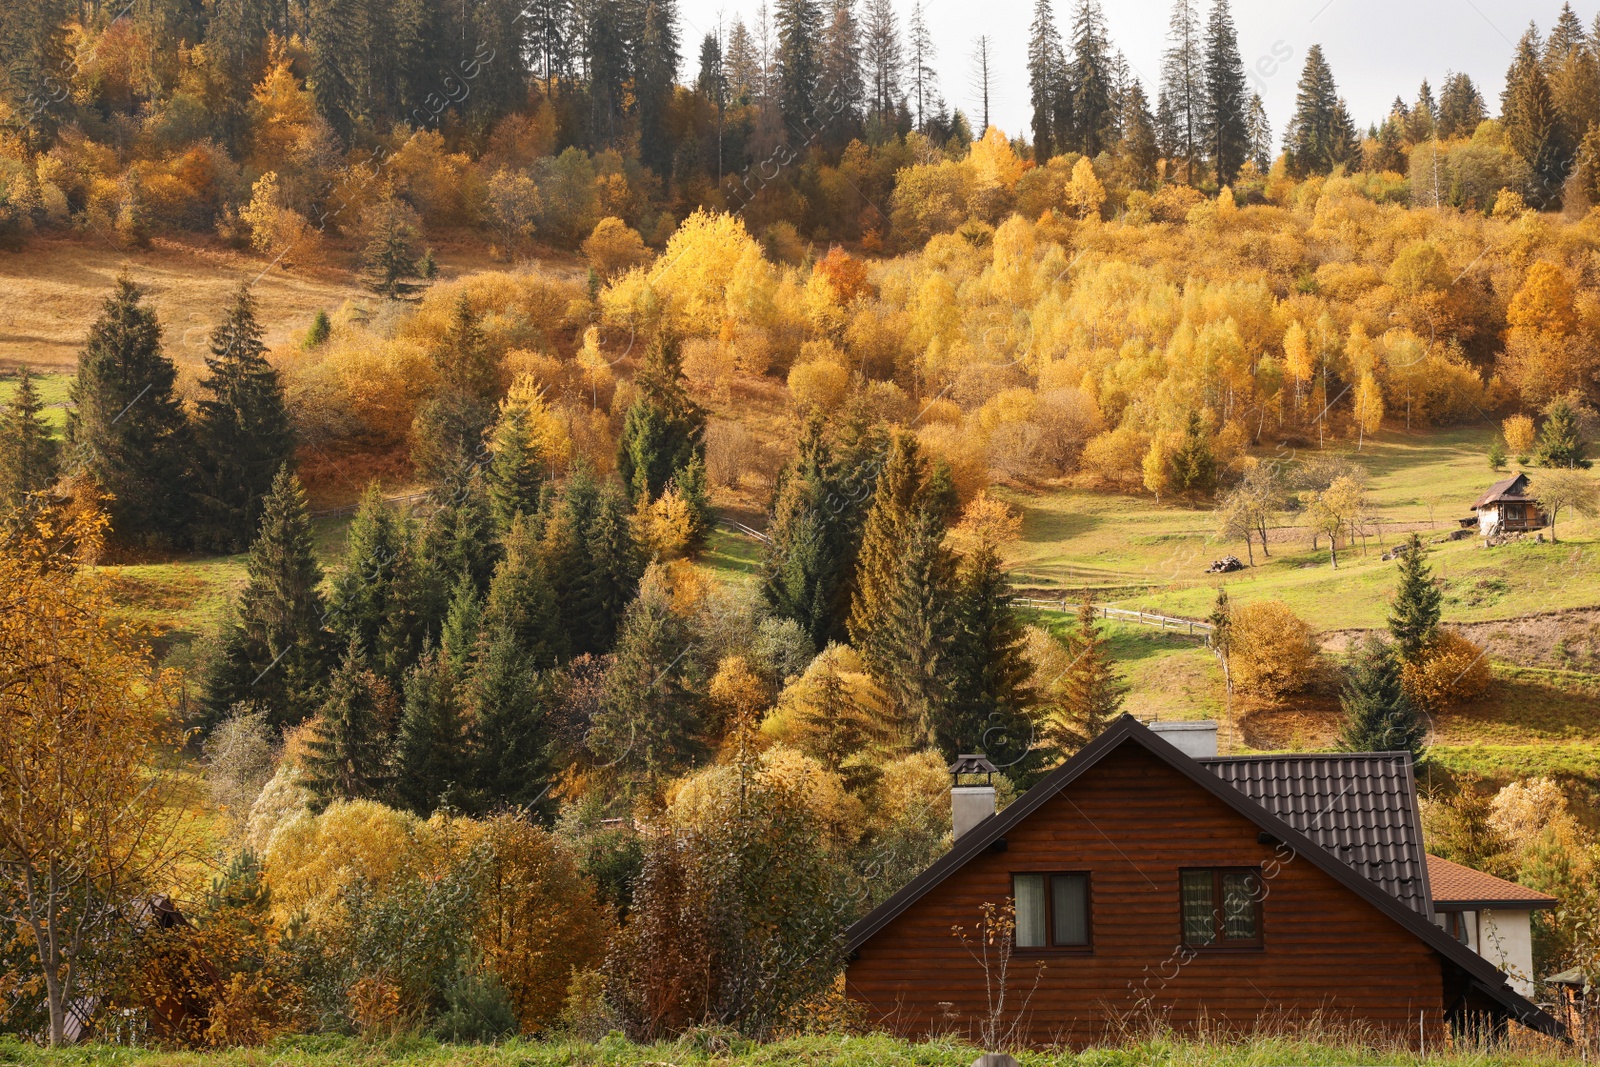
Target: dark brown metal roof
{"type": "Point", "coordinates": [1504, 489]}
{"type": "Point", "coordinates": [1360, 807]}
{"type": "Point", "coordinates": [1126, 730]}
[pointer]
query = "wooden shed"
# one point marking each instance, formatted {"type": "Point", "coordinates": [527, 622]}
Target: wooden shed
{"type": "Point", "coordinates": [1507, 508]}
{"type": "Point", "coordinates": [1203, 892]}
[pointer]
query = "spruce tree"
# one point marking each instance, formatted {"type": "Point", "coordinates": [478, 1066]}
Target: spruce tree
{"type": "Point", "coordinates": [1260, 134]}
{"type": "Point", "coordinates": [126, 427]}
{"type": "Point", "coordinates": [1533, 126]}
{"type": "Point", "coordinates": [389, 259]}
{"type": "Point", "coordinates": [841, 92]}
{"type": "Point", "coordinates": [1046, 69]}
{"type": "Point", "coordinates": [1559, 443]}
{"type": "Point", "coordinates": [458, 639]}
{"type": "Point", "coordinates": [1140, 149]}
{"type": "Point", "coordinates": [799, 64]}
{"type": "Point", "coordinates": [664, 428]}
{"type": "Point", "coordinates": [991, 685]}
{"type": "Point", "coordinates": [1091, 689]}
{"type": "Point", "coordinates": [1093, 107]}
{"type": "Point", "coordinates": [29, 452]}
{"type": "Point", "coordinates": [516, 473]}
{"type": "Point", "coordinates": [521, 603]}
{"type": "Point", "coordinates": [459, 535]}
{"type": "Point", "coordinates": [430, 746]}
{"type": "Point", "coordinates": [362, 595]}
{"type": "Point", "coordinates": [1461, 108]}
{"type": "Point", "coordinates": [1194, 465]}
{"type": "Point", "coordinates": [913, 638]}
{"type": "Point", "coordinates": [274, 653]}
{"type": "Point", "coordinates": [612, 566]}
{"type": "Point", "coordinates": [1320, 136]}
{"type": "Point", "coordinates": [510, 701]}
{"type": "Point", "coordinates": [656, 72]}
{"type": "Point", "coordinates": [1183, 85]}
{"type": "Point", "coordinates": [1417, 608]}
{"type": "Point", "coordinates": [1224, 115]}
{"type": "Point", "coordinates": [883, 544]}
{"type": "Point", "coordinates": [242, 430]}
{"type": "Point", "coordinates": [348, 753]}
{"type": "Point", "coordinates": [448, 432]}
{"type": "Point", "coordinates": [1378, 716]}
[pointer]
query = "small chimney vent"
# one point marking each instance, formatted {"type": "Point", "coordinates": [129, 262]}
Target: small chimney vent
{"type": "Point", "coordinates": [1195, 738]}
{"type": "Point", "coordinates": [971, 792]}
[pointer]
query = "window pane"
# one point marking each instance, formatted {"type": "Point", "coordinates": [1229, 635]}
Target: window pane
{"type": "Point", "coordinates": [1070, 908]}
{"type": "Point", "coordinates": [1239, 892]}
{"type": "Point", "coordinates": [1199, 909]}
{"type": "Point", "coordinates": [1029, 890]}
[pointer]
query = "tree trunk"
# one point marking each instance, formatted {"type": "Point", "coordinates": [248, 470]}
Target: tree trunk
{"type": "Point", "coordinates": [1333, 550]}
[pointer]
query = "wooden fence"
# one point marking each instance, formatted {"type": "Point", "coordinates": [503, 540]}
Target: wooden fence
{"type": "Point", "coordinates": [1191, 627]}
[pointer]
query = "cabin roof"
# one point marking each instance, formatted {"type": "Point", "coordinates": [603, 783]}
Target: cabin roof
{"type": "Point", "coordinates": [1360, 807]}
{"type": "Point", "coordinates": [1127, 730]}
{"type": "Point", "coordinates": [1512, 490]}
{"type": "Point", "coordinates": [1454, 884]}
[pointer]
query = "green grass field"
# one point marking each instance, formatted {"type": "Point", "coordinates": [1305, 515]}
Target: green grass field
{"type": "Point", "coordinates": [1132, 553]}
{"type": "Point", "coordinates": [723, 1049]}
{"type": "Point", "coordinates": [52, 386]}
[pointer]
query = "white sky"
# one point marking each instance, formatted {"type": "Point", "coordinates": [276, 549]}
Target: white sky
{"type": "Point", "coordinates": [1377, 48]}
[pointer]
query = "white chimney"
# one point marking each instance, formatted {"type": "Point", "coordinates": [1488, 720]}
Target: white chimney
{"type": "Point", "coordinates": [1196, 739]}
{"type": "Point", "coordinates": [973, 802]}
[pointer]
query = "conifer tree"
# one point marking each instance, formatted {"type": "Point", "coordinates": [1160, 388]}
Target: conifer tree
{"type": "Point", "coordinates": [1320, 136]}
{"type": "Point", "coordinates": [1091, 689]}
{"type": "Point", "coordinates": [347, 755]}
{"type": "Point", "coordinates": [656, 72]}
{"type": "Point", "coordinates": [1559, 442]}
{"type": "Point", "coordinates": [842, 91]}
{"type": "Point", "coordinates": [1378, 716]}
{"type": "Point", "coordinates": [29, 452]}
{"type": "Point", "coordinates": [1194, 465]}
{"type": "Point", "coordinates": [1534, 128]}
{"type": "Point", "coordinates": [448, 433]}
{"type": "Point", "coordinates": [243, 429]}
{"type": "Point", "coordinates": [664, 428]}
{"type": "Point", "coordinates": [521, 604]}
{"type": "Point", "coordinates": [799, 64]}
{"type": "Point", "coordinates": [417, 602]}
{"type": "Point", "coordinates": [516, 474]}
{"type": "Point", "coordinates": [127, 428]}
{"type": "Point", "coordinates": [610, 567]}
{"type": "Point", "coordinates": [920, 62]}
{"type": "Point", "coordinates": [1093, 107]}
{"type": "Point", "coordinates": [463, 621]}
{"type": "Point", "coordinates": [510, 701]}
{"type": "Point", "coordinates": [1140, 147]}
{"type": "Point", "coordinates": [883, 58]}
{"type": "Point", "coordinates": [430, 745]}
{"type": "Point", "coordinates": [883, 545]}
{"type": "Point", "coordinates": [1415, 613]}
{"type": "Point", "coordinates": [273, 653]}
{"type": "Point", "coordinates": [363, 591]}
{"type": "Point", "coordinates": [389, 259]}
{"type": "Point", "coordinates": [991, 685]}
{"type": "Point", "coordinates": [1424, 114]}
{"type": "Point", "coordinates": [912, 641]}
{"type": "Point", "coordinates": [1183, 87]}
{"type": "Point", "coordinates": [1224, 114]}
{"type": "Point", "coordinates": [1260, 134]}
{"type": "Point", "coordinates": [1046, 71]}
{"type": "Point", "coordinates": [459, 535]}
{"type": "Point", "coordinates": [1461, 108]}
{"type": "Point", "coordinates": [690, 483]}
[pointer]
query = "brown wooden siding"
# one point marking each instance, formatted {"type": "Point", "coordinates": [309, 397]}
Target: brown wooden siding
{"type": "Point", "coordinates": [1133, 821]}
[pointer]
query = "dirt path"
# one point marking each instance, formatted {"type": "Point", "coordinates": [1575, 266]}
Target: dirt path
{"type": "Point", "coordinates": [1564, 640]}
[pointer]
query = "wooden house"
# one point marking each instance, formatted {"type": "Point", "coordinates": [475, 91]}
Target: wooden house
{"type": "Point", "coordinates": [1507, 508]}
{"type": "Point", "coordinates": [1153, 881]}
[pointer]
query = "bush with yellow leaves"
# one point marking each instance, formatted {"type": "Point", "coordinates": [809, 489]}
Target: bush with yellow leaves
{"type": "Point", "coordinates": [1450, 672]}
{"type": "Point", "coordinates": [1273, 651]}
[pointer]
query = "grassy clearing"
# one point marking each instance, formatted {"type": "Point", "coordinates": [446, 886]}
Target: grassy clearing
{"type": "Point", "coordinates": [724, 1050]}
{"type": "Point", "coordinates": [1133, 553]}
{"type": "Point", "coordinates": [53, 387]}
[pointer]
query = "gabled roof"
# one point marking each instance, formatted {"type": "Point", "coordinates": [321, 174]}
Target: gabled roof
{"type": "Point", "coordinates": [1467, 888]}
{"type": "Point", "coordinates": [1512, 488]}
{"type": "Point", "coordinates": [1127, 730]}
{"type": "Point", "coordinates": [1361, 807]}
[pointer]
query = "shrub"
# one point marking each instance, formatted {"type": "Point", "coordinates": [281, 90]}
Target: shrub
{"type": "Point", "coordinates": [1273, 650]}
{"type": "Point", "coordinates": [1451, 671]}
{"type": "Point", "coordinates": [819, 384]}
{"type": "Point", "coordinates": [614, 247]}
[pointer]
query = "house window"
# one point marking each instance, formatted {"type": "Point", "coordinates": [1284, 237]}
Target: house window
{"type": "Point", "coordinates": [1221, 907]}
{"type": "Point", "coordinates": [1052, 910]}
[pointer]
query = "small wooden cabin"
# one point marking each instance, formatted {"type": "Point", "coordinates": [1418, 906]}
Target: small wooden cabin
{"type": "Point", "coordinates": [1155, 881]}
{"type": "Point", "coordinates": [1507, 508]}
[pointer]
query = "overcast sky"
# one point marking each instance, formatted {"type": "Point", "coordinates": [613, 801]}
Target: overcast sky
{"type": "Point", "coordinates": [1377, 48]}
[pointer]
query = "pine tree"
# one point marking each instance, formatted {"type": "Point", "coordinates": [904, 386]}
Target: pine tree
{"type": "Point", "coordinates": [882, 554]}
{"type": "Point", "coordinates": [363, 592]}
{"type": "Point", "coordinates": [347, 755]}
{"type": "Point", "coordinates": [38, 65]}
{"type": "Point", "coordinates": [29, 452]}
{"type": "Point", "coordinates": [274, 653]}
{"type": "Point", "coordinates": [656, 72]}
{"type": "Point", "coordinates": [522, 605]}
{"type": "Point", "coordinates": [243, 430]}
{"type": "Point", "coordinates": [1091, 690]}
{"type": "Point", "coordinates": [1046, 71]}
{"type": "Point", "coordinates": [430, 745]}
{"type": "Point", "coordinates": [842, 89]}
{"type": "Point", "coordinates": [924, 81]}
{"type": "Point", "coordinates": [516, 474]}
{"type": "Point", "coordinates": [550, 35]}
{"type": "Point", "coordinates": [1183, 87]}
{"type": "Point", "coordinates": [913, 640]}
{"type": "Point", "coordinates": [1573, 69]}
{"type": "Point", "coordinates": [1093, 107]}
{"type": "Point", "coordinates": [459, 535]}
{"type": "Point", "coordinates": [664, 428]}
{"type": "Point", "coordinates": [1224, 115]}
{"type": "Point", "coordinates": [611, 568]}
{"type": "Point", "coordinates": [389, 258]}
{"type": "Point", "coordinates": [883, 58]}
{"type": "Point", "coordinates": [336, 40]}
{"type": "Point", "coordinates": [1423, 116]}
{"type": "Point", "coordinates": [799, 65]}
{"type": "Point", "coordinates": [1534, 128]}
{"type": "Point", "coordinates": [448, 432]}
{"type": "Point", "coordinates": [1560, 444]}
{"type": "Point", "coordinates": [743, 65]}
{"type": "Point", "coordinates": [1378, 717]}
{"type": "Point", "coordinates": [510, 701]}
{"type": "Point", "coordinates": [1321, 136]}
{"type": "Point", "coordinates": [1194, 465]}
{"type": "Point", "coordinates": [127, 428]}
{"type": "Point", "coordinates": [1415, 613]}
{"type": "Point", "coordinates": [1461, 108]}
{"type": "Point", "coordinates": [458, 639]}
{"type": "Point", "coordinates": [1259, 129]}
{"type": "Point", "coordinates": [1140, 148]}
{"type": "Point", "coordinates": [991, 685]}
